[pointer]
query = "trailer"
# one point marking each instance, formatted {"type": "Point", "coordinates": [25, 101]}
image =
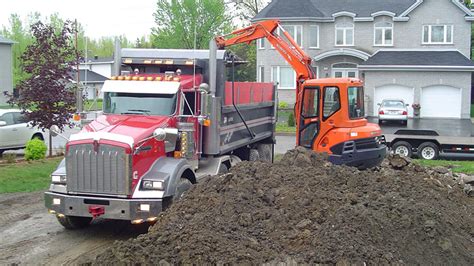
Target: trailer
{"type": "Point", "coordinates": [170, 118]}
{"type": "Point", "coordinates": [428, 144]}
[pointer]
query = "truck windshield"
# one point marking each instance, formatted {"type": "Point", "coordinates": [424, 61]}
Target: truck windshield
{"type": "Point", "coordinates": [356, 102]}
{"type": "Point", "coordinates": [139, 103]}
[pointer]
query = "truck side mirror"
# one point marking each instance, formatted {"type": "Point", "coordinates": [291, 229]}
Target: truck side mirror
{"type": "Point", "coordinates": [3, 123]}
{"type": "Point", "coordinates": [54, 129]}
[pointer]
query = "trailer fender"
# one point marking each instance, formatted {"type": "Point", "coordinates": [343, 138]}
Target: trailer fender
{"type": "Point", "coordinates": [169, 171]}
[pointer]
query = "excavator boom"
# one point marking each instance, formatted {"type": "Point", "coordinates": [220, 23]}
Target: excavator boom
{"type": "Point", "coordinates": [291, 51]}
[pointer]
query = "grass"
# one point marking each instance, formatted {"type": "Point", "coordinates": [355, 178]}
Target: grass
{"type": "Point", "coordinates": [284, 128]}
{"type": "Point", "coordinates": [27, 176]}
{"type": "Point", "coordinates": [466, 167]}
{"type": "Point", "coordinates": [472, 110]}
{"type": "Point", "coordinates": [7, 107]}
{"type": "Point", "coordinates": [90, 105]}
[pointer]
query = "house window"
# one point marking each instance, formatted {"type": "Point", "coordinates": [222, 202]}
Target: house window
{"type": "Point", "coordinates": [344, 34]}
{"type": "Point", "coordinates": [260, 74]}
{"type": "Point", "coordinates": [284, 76]}
{"type": "Point", "coordinates": [261, 43]}
{"type": "Point", "coordinates": [295, 31]}
{"type": "Point", "coordinates": [383, 34]}
{"type": "Point", "coordinates": [437, 34]}
{"type": "Point", "coordinates": [313, 36]}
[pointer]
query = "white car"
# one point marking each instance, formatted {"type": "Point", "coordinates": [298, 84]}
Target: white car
{"type": "Point", "coordinates": [393, 110]}
{"type": "Point", "coordinates": [15, 132]}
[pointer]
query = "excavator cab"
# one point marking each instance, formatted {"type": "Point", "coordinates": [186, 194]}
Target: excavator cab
{"type": "Point", "coordinates": [331, 120]}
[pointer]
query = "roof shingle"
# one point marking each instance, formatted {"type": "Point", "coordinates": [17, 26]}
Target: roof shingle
{"type": "Point", "coordinates": [419, 58]}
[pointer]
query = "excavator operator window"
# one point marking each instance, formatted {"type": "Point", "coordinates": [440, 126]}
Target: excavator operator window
{"type": "Point", "coordinates": [332, 101]}
{"type": "Point", "coordinates": [310, 106]}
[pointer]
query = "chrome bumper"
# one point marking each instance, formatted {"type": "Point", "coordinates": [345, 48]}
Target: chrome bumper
{"type": "Point", "coordinates": [113, 208]}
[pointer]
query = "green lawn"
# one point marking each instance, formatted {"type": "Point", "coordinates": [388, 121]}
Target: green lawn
{"type": "Point", "coordinates": [7, 107]}
{"type": "Point", "coordinates": [284, 128]}
{"type": "Point", "coordinates": [472, 110]}
{"type": "Point", "coordinates": [27, 176]}
{"type": "Point", "coordinates": [466, 167]}
{"type": "Point", "coordinates": [89, 105]}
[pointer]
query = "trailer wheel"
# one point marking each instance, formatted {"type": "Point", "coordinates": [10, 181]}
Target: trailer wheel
{"type": "Point", "coordinates": [265, 152]}
{"type": "Point", "coordinates": [74, 222]}
{"type": "Point", "coordinates": [428, 151]}
{"type": "Point", "coordinates": [402, 148]}
{"type": "Point", "coordinates": [253, 155]}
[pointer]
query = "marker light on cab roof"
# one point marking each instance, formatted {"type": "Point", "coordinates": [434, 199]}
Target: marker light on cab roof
{"type": "Point", "coordinates": [158, 61]}
{"type": "Point", "coordinates": [149, 78]}
{"type": "Point", "coordinates": [135, 78]}
{"type": "Point", "coordinates": [158, 78]}
{"type": "Point", "coordinates": [169, 62]}
{"type": "Point", "coordinates": [128, 61]}
{"type": "Point", "coordinates": [147, 61]}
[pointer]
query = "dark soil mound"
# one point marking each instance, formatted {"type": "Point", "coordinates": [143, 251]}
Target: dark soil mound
{"type": "Point", "coordinates": [303, 209]}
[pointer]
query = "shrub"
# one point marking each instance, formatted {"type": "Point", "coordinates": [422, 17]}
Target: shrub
{"type": "Point", "coordinates": [291, 120]}
{"type": "Point", "coordinates": [35, 150]}
{"type": "Point", "coordinates": [282, 105]}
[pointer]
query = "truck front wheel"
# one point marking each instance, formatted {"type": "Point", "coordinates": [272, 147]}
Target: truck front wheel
{"type": "Point", "coordinates": [74, 222]}
{"type": "Point", "coordinates": [428, 151]}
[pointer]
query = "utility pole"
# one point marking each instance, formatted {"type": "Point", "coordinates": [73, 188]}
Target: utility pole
{"type": "Point", "coordinates": [78, 88]}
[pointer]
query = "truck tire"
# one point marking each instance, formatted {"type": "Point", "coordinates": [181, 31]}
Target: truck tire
{"type": "Point", "coordinates": [74, 222]}
{"type": "Point", "coordinates": [403, 149]}
{"type": "Point", "coordinates": [253, 155]}
{"type": "Point", "coordinates": [265, 152]}
{"type": "Point", "coordinates": [428, 151]}
{"type": "Point", "coordinates": [223, 169]}
{"type": "Point", "coordinates": [183, 185]}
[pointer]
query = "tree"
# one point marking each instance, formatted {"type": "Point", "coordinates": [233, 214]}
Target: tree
{"type": "Point", "coordinates": [247, 9]}
{"type": "Point", "coordinates": [47, 97]}
{"type": "Point", "coordinates": [179, 23]}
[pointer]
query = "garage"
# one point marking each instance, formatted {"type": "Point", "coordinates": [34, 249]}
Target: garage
{"type": "Point", "coordinates": [441, 101]}
{"type": "Point", "coordinates": [394, 92]}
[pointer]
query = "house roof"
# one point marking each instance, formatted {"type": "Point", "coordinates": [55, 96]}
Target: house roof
{"type": "Point", "coordinates": [5, 40]}
{"type": "Point", "coordinates": [92, 77]}
{"type": "Point", "coordinates": [433, 59]}
{"type": "Point", "coordinates": [325, 9]}
{"type": "Point", "coordinates": [99, 59]}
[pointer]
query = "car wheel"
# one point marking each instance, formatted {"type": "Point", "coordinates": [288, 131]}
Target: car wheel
{"type": "Point", "coordinates": [402, 148]}
{"type": "Point", "coordinates": [38, 136]}
{"type": "Point", "coordinates": [380, 121]}
{"type": "Point", "coordinates": [74, 222]}
{"type": "Point", "coordinates": [428, 151]}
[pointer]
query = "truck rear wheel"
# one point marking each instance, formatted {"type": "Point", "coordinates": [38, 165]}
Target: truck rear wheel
{"type": "Point", "coordinates": [402, 148]}
{"type": "Point", "coordinates": [74, 222]}
{"type": "Point", "coordinates": [428, 151]}
{"type": "Point", "coordinates": [265, 152]}
{"type": "Point", "coordinates": [254, 155]}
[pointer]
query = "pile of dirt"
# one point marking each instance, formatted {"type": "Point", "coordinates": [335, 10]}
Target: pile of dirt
{"type": "Point", "coordinates": [304, 209]}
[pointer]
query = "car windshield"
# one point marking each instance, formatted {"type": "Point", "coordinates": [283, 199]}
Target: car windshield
{"type": "Point", "coordinates": [393, 104]}
{"type": "Point", "coordinates": [356, 102]}
{"type": "Point", "coordinates": [139, 103]}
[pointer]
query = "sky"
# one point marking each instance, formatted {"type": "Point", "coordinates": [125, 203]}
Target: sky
{"type": "Point", "coordinates": [133, 18]}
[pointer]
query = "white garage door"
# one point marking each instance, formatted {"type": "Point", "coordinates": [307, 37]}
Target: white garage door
{"type": "Point", "coordinates": [394, 92]}
{"type": "Point", "coordinates": [441, 101]}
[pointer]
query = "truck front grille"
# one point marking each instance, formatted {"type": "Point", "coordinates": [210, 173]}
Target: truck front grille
{"type": "Point", "coordinates": [105, 171]}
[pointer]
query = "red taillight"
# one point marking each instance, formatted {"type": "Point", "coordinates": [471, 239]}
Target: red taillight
{"type": "Point", "coordinates": [381, 112]}
{"type": "Point", "coordinates": [404, 113]}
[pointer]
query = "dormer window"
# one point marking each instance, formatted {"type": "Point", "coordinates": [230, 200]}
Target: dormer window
{"type": "Point", "coordinates": [344, 34]}
{"type": "Point", "coordinates": [437, 34]}
{"type": "Point", "coordinates": [383, 34]}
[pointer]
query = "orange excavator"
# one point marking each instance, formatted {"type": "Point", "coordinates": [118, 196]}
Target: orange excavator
{"type": "Point", "coordinates": [329, 112]}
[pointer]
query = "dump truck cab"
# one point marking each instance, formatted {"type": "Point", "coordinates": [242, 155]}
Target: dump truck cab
{"type": "Point", "coordinates": [332, 121]}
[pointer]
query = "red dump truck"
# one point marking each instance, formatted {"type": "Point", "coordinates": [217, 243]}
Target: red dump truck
{"type": "Point", "coordinates": [169, 119]}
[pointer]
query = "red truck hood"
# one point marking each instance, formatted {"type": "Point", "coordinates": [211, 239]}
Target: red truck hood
{"type": "Point", "coordinates": [137, 127]}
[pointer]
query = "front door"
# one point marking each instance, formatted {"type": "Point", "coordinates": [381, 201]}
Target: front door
{"type": "Point", "coordinates": [345, 72]}
{"type": "Point", "coordinates": [9, 132]}
{"type": "Point", "coordinates": [309, 119]}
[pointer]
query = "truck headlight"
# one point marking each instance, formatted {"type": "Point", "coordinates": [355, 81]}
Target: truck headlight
{"type": "Point", "coordinates": [59, 179]}
{"type": "Point", "coordinates": [153, 185]}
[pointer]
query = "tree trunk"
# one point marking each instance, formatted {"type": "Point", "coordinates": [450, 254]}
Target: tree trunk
{"type": "Point", "coordinates": [50, 144]}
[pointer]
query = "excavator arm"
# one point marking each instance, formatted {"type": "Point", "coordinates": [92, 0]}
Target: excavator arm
{"type": "Point", "coordinates": [291, 52]}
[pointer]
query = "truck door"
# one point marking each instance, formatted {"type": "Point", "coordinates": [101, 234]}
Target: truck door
{"type": "Point", "coordinates": [309, 119]}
